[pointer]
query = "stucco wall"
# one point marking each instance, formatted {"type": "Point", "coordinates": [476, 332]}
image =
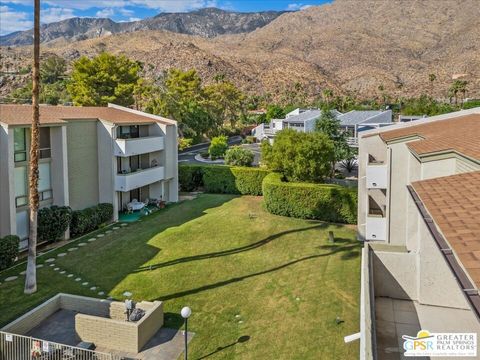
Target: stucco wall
{"type": "Point", "coordinates": [7, 199]}
{"type": "Point", "coordinates": [59, 164]}
{"type": "Point", "coordinates": [82, 163]}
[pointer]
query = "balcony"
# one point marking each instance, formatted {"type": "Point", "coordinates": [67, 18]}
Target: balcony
{"type": "Point", "coordinates": [376, 227]}
{"type": "Point", "coordinates": [137, 146]}
{"type": "Point", "coordinates": [377, 175]}
{"type": "Point", "coordinates": [139, 178]}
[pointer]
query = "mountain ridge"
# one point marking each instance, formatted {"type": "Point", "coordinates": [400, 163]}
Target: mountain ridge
{"type": "Point", "coordinates": [206, 22]}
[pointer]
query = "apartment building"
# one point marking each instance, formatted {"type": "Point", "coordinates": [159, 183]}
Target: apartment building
{"type": "Point", "coordinates": [419, 215]}
{"type": "Point", "coordinates": [88, 155]}
{"type": "Point", "coordinates": [353, 122]}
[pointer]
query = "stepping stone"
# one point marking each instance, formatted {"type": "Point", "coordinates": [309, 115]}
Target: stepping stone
{"type": "Point", "coordinates": [72, 249]}
{"type": "Point", "coordinates": [82, 244]}
{"type": "Point", "coordinates": [115, 228]}
{"type": "Point", "coordinates": [23, 273]}
{"type": "Point", "coordinates": [92, 239]}
{"type": "Point", "coordinates": [93, 288]}
{"type": "Point", "coordinates": [123, 224]}
{"type": "Point", "coordinates": [56, 269]}
{"type": "Point", "coordinates": [240, 322]}
{"type": "Point", "coordinates": [61, 254]}
{"type": "Point", "coordinates": [70, 275]}
{"type": "Point", "coordinates": [101, 293]}
{"type": "Point", "coordinates": [39, 266]}
{"type": "Point", "coordinates": [298, 299]}
{"type": "Point", "coordinates": [50, 260]}
{"type": "Point", "coordinates": [85, 283]}
{"type": "Point", "coordinates": [108, 231]}
{"type": "Point", "coordinates": [78, 279]}
{"type": "Point", "coordinates": [62, 272]}
{"type": "Point", "coordinates": [11, 278]}
{"type": "Point", "coordinates": [127, 294]}
{"type": "Point", "coordinates": [237, 316]}
{"type": "Point", "coordinates": [100, 235]}
{"type": "Point", "coordinates": [51, 265]}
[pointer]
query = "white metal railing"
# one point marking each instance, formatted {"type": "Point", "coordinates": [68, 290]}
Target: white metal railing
{"type": "Point", "coordinates": [352, 141]}
{"type": "Point", "coordinates": [19, 347]}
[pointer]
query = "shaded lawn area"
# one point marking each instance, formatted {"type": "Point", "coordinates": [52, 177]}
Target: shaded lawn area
{"type": "Point", "coordinates": [275, 282]}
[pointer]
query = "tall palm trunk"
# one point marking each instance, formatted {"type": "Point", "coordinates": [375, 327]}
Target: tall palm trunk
{"type": "Point", "coordinates": [31, 275]}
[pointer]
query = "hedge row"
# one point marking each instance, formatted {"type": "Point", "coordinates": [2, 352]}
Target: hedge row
{"type": "Point", "coordinates": [53, 222]}
{"type": "Point", "coordinates": [222, 179]}
{"type": "Point", "coordinates": [8, 250]}
{"type": "Point", "coordinates": [91, 218]}
{"type": "Point", "coordinates": [325, 202]}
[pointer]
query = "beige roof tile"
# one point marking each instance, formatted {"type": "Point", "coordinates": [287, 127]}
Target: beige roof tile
{"type": "Point", "coordinates": [454, 204]}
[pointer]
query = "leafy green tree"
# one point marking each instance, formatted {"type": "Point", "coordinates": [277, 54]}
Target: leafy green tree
{"type": "Point", "coordinates": [183, 143]}
{"type": "Point", "coordinates": [425, 105]}
{"type": "Point", "coordinates": [226, 103]}
{"type": "Point", "coordinates": [104, 79]}
{"type": "Point", "coordinates": [218, 147]}
{"type": "Point", "coordinates": [299, 156]}
{"type": "Point", "coordinates": [53, 69]}
{"type": "Point", "coordinates": [275, 112]}
{"type": "Point", "coordinates": [330, 126]}
{"type": "Point", "coordinates": [239, 156]}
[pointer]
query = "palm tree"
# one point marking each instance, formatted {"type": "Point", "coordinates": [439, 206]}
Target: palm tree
{"type": "Point", "coordinates": [31, 275]}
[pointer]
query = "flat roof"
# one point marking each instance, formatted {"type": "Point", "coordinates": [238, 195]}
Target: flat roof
{"type": "Point", "coordinates": [453, 202]}
{"type": "Point", "coordinates": [13, 114]}
{"type": "Point", "coordinates": [460, 134]}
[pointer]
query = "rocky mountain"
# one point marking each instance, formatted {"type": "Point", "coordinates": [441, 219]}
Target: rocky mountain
{"type": "Point", "coordinates": [208, 22]}
{"type": "Point", "coordinates": [365, 49]}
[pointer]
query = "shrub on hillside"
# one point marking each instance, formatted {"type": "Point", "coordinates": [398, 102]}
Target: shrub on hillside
{"type": "Point", "coordinates": [222, 179]}
{"type": "Point", "coordinates": [53, 222]}
{"type": "Point", "coordinates": [8, 250]}
{"type": "Point", "coordinates": [239, 156]}
{"type": "Point", "coordinates": [325, 202]}
{"type": "Point", "coordinates": [218, 147]}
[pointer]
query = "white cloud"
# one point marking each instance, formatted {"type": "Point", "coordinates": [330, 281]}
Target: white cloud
{"type": "Point", "coordinates": [105, 13]}
{"type": "Point", "coordinates": [13, 20]}
{"type": "Point", "coordinates": [134, 19]}
{"type": "Point", "coordinates": [126, 12]}
{"type": "Point", "coordinates": [175, 5]}
{"type": "Point", "coordinates": [55, 14]}
{"type": "Point", "coordinates": [297, 6]}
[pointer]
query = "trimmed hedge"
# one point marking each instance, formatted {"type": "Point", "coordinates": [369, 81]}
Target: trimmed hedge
{"type": "Point", "coordinates": [91, 218]}
{"type": "Point", "coordinates": [222, 179]}
{"type": "Point", "coordinates": [325, 202]}
{"type": "Point", "coordinates": [8, 250]}
{"type": "Point", "coordinates": [53, 222]}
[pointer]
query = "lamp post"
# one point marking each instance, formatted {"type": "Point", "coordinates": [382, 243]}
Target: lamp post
{"type": "Point", "coordinates": [186, 312]}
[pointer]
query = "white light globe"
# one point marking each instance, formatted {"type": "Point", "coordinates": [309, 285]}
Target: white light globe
{"type": "Point", "coordinates": [186, 312]}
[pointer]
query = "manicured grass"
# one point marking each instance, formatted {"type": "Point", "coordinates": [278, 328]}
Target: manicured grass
{"type": "Point", "coordinates": [276, 281]}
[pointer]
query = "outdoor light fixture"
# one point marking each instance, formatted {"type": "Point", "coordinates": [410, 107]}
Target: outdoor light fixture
{"type": "Point", "coordinates": [128, 307]}
{"type": "Point", "coordinates": [186, 312]}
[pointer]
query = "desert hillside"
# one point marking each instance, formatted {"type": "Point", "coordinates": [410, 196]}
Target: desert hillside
{"type": "Point", "coordinates": [352, 47]}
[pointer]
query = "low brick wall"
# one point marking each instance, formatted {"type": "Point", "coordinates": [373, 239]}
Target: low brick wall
{"type": "Point", "coordinates": [34, 317]}
{"type": "Point", "coordinates": [119, 334]}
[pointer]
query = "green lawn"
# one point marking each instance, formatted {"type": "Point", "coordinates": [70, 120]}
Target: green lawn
{"type": "Point", "coordinates": [244, 272]}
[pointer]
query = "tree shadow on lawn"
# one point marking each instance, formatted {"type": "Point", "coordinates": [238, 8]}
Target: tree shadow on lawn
{"type": "Point", "coordinates": [333, 250]}
{"type": "Point", "coordinates": [228, 252]}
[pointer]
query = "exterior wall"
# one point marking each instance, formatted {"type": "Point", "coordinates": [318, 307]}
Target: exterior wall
{"type": "Point", "coordinates": [367, 308]}
{"type": "Point", "coordinates": [34, 317]}
{"type": "Point", "coordinates": [82, 151]}
{"type": "Point", "coordinates": [171, 161]}
{"type": "Point", "coordinates": [464, 165]}
{"type": "Point", "coordinates": [7, 191]}
{"type": "Point", "coordinates": [107, 166]}
{"type": "Point", "coordinates": [59, 165]}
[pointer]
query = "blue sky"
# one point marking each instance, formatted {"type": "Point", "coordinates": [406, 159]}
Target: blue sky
{"type": "Point", "coordinates": [18, 14]}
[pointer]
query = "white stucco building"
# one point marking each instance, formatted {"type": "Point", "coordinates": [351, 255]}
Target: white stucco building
{"type": "Point", "coordinates": [88, 155]}
{"type": "Point", "coordinates": [419, 214]}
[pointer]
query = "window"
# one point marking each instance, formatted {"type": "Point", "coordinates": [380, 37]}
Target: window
{"type": "Point", "coordinates": [20, 145]}
{"type": "Point", "coordinates": [44, 148]}
{"type": "Point", "coordinates": [22, 224]}
{"type": "Point", "coordinates": [128, 132]}
{"type": "Point", "coordinates": [44, 184]}
{"type": "Point", "coordinates": [20, 175]}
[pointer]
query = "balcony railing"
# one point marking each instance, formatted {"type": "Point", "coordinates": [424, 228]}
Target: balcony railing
{"type": "Point", "coordinates": [137, 146]}
{"type": "Point", "coordinates": [139, 178]}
